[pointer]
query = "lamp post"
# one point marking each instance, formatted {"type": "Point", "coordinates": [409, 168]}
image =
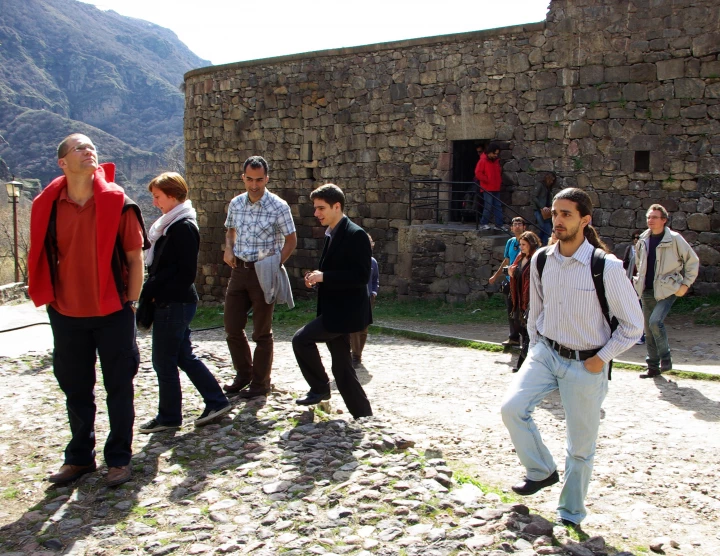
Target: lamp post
{"type": "Point", "coordinates": [13, 191]}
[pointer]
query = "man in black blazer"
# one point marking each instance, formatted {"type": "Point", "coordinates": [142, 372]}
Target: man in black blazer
{"type": "Point", "coordinates": [343, 304]}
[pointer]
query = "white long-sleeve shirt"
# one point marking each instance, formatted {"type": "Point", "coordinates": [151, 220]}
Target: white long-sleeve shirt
{"type": "Point", "coordinates": [565, 307]}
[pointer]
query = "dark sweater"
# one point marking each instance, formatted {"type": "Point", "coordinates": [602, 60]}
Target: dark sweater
{"type": "Point", "coordinates": [653, 242]}
{"type": "Point", "coordinates": [172, 275]}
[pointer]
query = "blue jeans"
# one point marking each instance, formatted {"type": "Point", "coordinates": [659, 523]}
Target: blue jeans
{"type": "Point", "coordinates": [171, 349]}
{"type": "Point", "coordinates": [582, 394]}
{"type": "Point", "coordinates": [492, 200]}
{"type": "Point", "coordinates": [656, 339]}
{"type": "Point", "coordinates": [545, 227]}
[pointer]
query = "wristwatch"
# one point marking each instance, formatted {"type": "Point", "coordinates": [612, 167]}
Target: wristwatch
{"type": "Point", "coordinates": [134, 305]}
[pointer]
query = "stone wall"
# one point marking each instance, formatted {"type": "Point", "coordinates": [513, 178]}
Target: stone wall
{"type": "Point", "coordinates": [593, 93]}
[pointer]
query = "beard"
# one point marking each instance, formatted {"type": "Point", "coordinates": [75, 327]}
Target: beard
{"type": "Point", "coordinates": [569, 234]}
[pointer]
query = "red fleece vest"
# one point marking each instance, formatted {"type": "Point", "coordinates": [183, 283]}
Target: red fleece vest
{"type": "Point", "coordinates": [109, 200]}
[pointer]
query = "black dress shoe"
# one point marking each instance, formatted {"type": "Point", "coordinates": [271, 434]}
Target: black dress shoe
{"type": "Point", "coordinates": [665, 365]}
{"type": "Point", "coordinates": [650, 373]}
{"type": "Point", "coordinates": [312, 398]}
{"type": "Point", "coordinates": [528, 487]}
{"type": "Point", "coordinates": [568, 523]}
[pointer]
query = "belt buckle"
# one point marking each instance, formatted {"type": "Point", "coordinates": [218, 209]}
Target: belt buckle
{"type": "Point", "coordinates": [247, 264]}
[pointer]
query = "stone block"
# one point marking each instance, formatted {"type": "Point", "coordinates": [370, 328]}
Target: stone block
{"type": "Point", "coordinates": [619, 74]}
{"type": "Point", "coordinates": [578, 129]}
{"type": "Point", "coordinates": [712, 91]}
{"type": "Point", "coordinates": [550, 97]}
{"type": "Point", "coordinates": [694, 112]}
{"type": "Point", "coordinates": [544, 80]}
{"type": "Point", "coordinates": [670, 69]}
{"type": "Point", "coordinates": [440, 286]}
{"type": "Point", "coordinates": [707, 255]}
{"type": "Point", "coordinates": [623, 218]}
{"type": "Point", "coordinates": [458, 286]}
{"type": "Point", "coordinates": [635, 91]}
{"type": "Point", "coordinates": [689, 88]}
{"type": "Point", "coordinates": [698, 222]}
{"type": "Point", "coordinates": [586, 96]}
{"type": "Point", "coordinates": [710, 69]}
{"type": "Point", "coordinates": [568, 77]}
{"type": "Point", "coordinates": [518, 63]}
{"type": "Point", "coordinates": [709, 43]}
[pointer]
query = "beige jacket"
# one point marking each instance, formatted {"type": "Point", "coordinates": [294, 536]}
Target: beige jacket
{"type": "Point", "coordinates": [676, 264]}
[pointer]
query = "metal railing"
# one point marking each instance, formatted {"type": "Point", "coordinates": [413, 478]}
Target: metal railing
{"type": "Point", "coordinates": [454, 198]}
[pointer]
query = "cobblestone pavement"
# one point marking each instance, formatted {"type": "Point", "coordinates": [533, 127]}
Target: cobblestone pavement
{"type": "Point", "coordinates": [271, 478]}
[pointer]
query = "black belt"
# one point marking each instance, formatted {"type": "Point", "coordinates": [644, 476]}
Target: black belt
{"type": "Point", "coordinates": [244, 264]}
{"type": "Point", "coordinates": [578, 355]}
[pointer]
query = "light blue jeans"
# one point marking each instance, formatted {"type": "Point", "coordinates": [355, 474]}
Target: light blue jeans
{"type": "Point", "coordinates": [492, 204]}
{"type": "Point", "coordinates": [582, 393]}
{"type": "Point", "coordinates": [656, 340]}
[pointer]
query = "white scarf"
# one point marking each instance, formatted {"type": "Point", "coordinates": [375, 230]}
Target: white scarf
{"type": "Point", "coordinates": [183, 211]}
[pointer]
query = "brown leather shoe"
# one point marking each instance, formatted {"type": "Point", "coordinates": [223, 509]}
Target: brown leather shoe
{"type": "Point", "coordinates": [69, 473]}
{"type": "Point", "coordinates": [236, 385]}
{"type": "Point", "coordinates": [118, 475]}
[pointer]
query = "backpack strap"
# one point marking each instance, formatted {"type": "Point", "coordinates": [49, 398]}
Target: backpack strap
{"type": "Point", "coordinates": [541, 259]}
{"type": "Point", "coordinates": [597, 267]}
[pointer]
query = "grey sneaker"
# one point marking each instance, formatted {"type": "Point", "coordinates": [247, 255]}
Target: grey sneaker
{"type": "Point", "coordinates": [153, 426]}
{"type": "Point", "coordinates": [210, 415]}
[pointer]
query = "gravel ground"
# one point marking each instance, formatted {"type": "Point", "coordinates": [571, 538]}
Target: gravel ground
{"type": "Point", "coordinates": [266, 479]}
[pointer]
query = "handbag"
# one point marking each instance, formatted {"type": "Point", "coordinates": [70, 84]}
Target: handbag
{"type": "Point", "coordinates": [145, 313]}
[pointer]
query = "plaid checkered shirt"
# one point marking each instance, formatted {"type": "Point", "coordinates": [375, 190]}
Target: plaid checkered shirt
{"type": "Point", "coordinates": [260, 227]}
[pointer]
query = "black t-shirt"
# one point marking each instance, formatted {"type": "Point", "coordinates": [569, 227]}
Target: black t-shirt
{"type": "Point", "coordinates": [650, 273]}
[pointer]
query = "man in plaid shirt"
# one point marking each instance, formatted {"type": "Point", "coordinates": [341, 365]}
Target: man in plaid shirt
{"type": "Point", "coordinates": [259, 224]}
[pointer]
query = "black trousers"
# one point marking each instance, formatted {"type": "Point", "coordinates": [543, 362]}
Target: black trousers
{"type": "Point", "coordinates": [513, 323]}
{"type": "Point", "coordinates": [78, 342]}
{"type": "Point", "coordinates": [308, 357]}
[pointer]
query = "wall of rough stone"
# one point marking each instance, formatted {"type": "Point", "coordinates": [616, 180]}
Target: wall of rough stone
{"type": "Point", "coordinates": [578, 94]}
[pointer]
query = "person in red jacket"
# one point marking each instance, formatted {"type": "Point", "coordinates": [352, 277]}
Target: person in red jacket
{"type": "Point", "coordinates": [86, 265]}
{"type": "Point", "coordinates": [489, 176]}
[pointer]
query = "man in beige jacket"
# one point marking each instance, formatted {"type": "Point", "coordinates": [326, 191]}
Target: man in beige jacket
{"type": "Point", "coordinates": [666, 268]}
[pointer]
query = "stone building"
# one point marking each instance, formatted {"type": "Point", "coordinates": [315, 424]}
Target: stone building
{"type": "Point", "coordinates": [619, 97]}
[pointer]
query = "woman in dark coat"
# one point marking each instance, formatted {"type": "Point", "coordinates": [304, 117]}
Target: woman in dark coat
{"type": "Point", "coordinates": [172, 265]}
{"type": "Point", "coordinates": [519, 273]}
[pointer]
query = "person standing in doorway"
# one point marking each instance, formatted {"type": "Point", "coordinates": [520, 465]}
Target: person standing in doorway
{"type": "Point", "coordinates": [259, 225]}
{"type": "Point", "coordinates": [666, 268]}
{"type": "Point", "coordinates": [489, 175]}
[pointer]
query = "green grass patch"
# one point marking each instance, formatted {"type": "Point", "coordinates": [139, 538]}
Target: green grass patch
{"type": "Point", "coordinates": [462, 476]}
{"type": "Point", "coordinates": [423, 337]}
{"type": "Point", "coordinates": [486, 311]}
{"type": "Point", "coordinates": [10, 494]}
{"type": "Point", "coordinates": [706, 309]}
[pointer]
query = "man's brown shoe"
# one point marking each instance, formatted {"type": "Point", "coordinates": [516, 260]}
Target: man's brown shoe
{"type": "Point", "coordinates": [118, 475]}
{"type": "Point", "coordinates": [650, 373]}
{"type": "Point", "coordinates": [69, 473]}
{"type": "Point", "coordinates": [236, 385]}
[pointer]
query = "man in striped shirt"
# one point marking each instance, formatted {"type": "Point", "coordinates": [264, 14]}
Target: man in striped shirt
{"type": "Point", "coordinates": [571, 345]}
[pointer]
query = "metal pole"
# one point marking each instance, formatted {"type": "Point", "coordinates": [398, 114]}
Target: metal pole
{"type": "Point", "coordinates": [15, 232]}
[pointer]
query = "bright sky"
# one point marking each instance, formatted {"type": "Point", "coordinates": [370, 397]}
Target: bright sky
{"type": "Point", "coordinates": [225, 31]}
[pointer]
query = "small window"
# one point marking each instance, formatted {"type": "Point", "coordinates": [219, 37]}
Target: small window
{"type": "Point", "coordinates": [642, 161]}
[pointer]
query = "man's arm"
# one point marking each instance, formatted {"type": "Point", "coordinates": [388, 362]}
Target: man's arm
{"type": "Point", "coordinates": [228, 255]}
{"type": "Point", "coordinates": [289, 247]}
{"type": "Point", "coordinates": [624, 306]}
{"type": "Point", "coordinates": [136, 273]}
{"type": "Point", "coordinates": [499, 272]}
{"type": "Point", "coordinates": [355, 274]}
{"type": "Point", "coordinates": [691, 265]}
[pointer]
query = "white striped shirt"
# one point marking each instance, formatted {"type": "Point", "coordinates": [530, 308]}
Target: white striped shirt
{"type": "Point", "coordinates": [565, 307]}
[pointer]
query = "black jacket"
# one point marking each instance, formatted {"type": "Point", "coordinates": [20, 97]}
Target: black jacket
{"type": "Point", "coordinates": [343, 299]}
{"type": "Point", "coordinates": [171, 277]}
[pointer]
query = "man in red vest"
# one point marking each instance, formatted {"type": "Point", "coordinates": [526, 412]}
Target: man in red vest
{"type": "Point", "coordinates": [86, 265]}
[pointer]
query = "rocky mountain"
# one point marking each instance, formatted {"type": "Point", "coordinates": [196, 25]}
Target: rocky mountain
{"type": "Point", "coordinates": [66, 66]}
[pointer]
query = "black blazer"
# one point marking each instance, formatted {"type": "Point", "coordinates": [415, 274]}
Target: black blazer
{"type": "Point", "coordinates": [343, 299]}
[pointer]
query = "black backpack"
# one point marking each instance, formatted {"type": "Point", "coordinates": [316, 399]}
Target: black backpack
{"type": "Point", "coordinates": [597, 269]}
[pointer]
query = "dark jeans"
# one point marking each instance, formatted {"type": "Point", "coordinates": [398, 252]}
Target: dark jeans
{"type": "Point", "coordinates": [492, 204]}
{"type": "Point", "coordinates": [545, 227]}
{"type": "Point", "coordinates": [171, 348]}
{"type": "Point", "coordinates": [244, 293]}
{"type": "Point", "coordinates": [308, 357]}
{"type": "Point", "coordinates": [513, 323]}
{"type": "Point", "coordinates": [77, 341]}
{"type": "Point", "coordinates": [358, 339]}
{"type": "Point", "coordinates": [656, 340]}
